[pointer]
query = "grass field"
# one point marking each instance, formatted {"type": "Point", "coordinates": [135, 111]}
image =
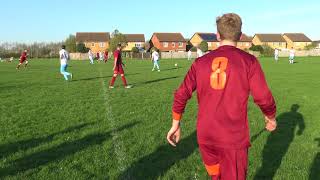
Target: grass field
{"type": "Point", "coordinates": [52, 129]}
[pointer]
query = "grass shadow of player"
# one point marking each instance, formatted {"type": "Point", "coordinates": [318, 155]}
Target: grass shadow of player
{"type": "Point", "coordinates": [279, 141]}
{"type": "Point", "coordinates": [58, 152]}
{"type": "Point", "coordinates": [157, 163]}
{"type": "Point", "coordinates": [155, 80]}
{"type": "Point", "coordinates": [92, 78]}
{"type": "Point", "coordinates": [170, 69]}
{"type": "Point", "coordinates": [10, 148]}
{"type": "Point", "coordinates": [315, 167]}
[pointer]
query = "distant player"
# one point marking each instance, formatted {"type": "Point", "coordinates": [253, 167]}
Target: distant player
{"type": "Point", "coordinates": [199, 52]}
{"type": "Point", "coordinates": [64, 58]}
{"type": "Point", "coordinates": [189, 55]}
{"type": "Point", "coordinates": [291, 55]}
{"type": "Point", "coordinates": [98, 56]}
{"type": "Point", "coordinates": [118, 68]}
{"type": "Point", "coordinates": [276, 54]}
{"type": "Point", "coordinates": [90, 54]}
{"type": "Point", "coordinates": [23, 59]}
{"type": "Point", "coordinates": [224, 79]}
{"type": "Point", "coordinates": [155, 58]}
{"type": "Point", "coordinates": [101, 55]}
{"type": "Point", "coordinates": [106, 56]}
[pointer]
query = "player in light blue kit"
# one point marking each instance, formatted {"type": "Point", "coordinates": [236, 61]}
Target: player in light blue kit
{"type": "Point", "coordinates": [64, 57]}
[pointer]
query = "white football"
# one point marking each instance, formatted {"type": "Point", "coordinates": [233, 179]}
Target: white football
{"type": "Point", "coordinates": [175, 64]}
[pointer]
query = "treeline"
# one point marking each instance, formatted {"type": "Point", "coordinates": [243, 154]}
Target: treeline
{"type": "Point", "coordinates": [35, 50]}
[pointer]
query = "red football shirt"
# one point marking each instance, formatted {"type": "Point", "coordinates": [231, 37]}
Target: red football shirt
{"type": "Point", "coordinates": [223, 80]}
{"type": "Point", "coordinates": [23, 56]}
{"type": "Point", "coordinates": [117, 55]}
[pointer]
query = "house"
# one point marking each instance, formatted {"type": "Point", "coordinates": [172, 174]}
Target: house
{"type": "Point", "coordinates": [272, 40]}
{"type": "Point", "coordinates": [245, 42]}
{"type": "Point", "coordinates": [134, 40]}
{"type": "Point", "coordinates": [297, 40]}
{"type": "Point", "coordinates": [96, 41]}
{"type": "Point", "coordinates": [210, 38]}
{"type": "Point", "coordinates": [166, 42]}
{"type": "Point", "coordinates": [317, 43]}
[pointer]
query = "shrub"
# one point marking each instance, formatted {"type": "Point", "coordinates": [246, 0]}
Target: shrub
{"type": "Point", "coordinates": [203, 46]}
{"type": "Point", "coordinates": [310, 46]}
{"type": "Point", "coordinates": [256, 48]}
{"type": "Point", "coordinates": [267, 51]}
{"type": "Point", "coordinates": [135, 50]}
{"type": "Point", "coordinates": [193, 49]}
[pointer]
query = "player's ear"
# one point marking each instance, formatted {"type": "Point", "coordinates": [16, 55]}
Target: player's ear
{"type": "Point", "coordinates": [218, 36]}
{"type": "Point", "coordinates": [241, 36]}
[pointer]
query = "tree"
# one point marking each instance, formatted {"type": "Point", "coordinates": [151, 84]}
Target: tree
{"type": "Point", "coordinates": [81, 47]}
{"type": "Point", "coordinates": [117, 38]}
{"type": "Point", "coordinates": [135, 50]}
{"type": "Point", "coordinates": [203, 46]}
{"type": "Point", "coordinates": [71, 43]}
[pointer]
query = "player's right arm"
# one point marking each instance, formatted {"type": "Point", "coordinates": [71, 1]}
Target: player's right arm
{"type": "Point", "coordinates": [262, 95]}
{"type": "Point", "coordinates": [116, 56]}
{"type": "Point", "coordinates": [181, 97]}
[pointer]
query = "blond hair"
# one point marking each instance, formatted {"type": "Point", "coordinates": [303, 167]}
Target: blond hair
{"type": "Point", "coordinates": [229, 26]}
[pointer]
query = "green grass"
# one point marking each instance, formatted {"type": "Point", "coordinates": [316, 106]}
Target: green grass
{"type": "Point", "coordinates": [52, 129]}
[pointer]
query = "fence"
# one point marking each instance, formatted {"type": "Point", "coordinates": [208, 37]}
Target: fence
{"type": "Point", "coordinates": [313, 52]}
{"type": "Point", "coordinates": [184, 55]}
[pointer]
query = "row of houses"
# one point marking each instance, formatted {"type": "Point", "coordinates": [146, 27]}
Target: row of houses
{"type": "Point", "coordinates": [166, 42]}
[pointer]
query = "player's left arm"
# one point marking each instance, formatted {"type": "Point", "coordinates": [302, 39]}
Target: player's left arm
{"type": "Point", "coordinates": [181, 97]}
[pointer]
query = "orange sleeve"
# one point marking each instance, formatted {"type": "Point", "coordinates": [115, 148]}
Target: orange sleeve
{"type": "Point", "coordinates": [176, 116]}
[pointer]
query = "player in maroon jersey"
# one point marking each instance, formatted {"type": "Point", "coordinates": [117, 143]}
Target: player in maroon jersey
{"type": "Point", "coordinates": [23, 59]}
{"type": "Point", "coordinates": [106, 56]}
{"type": "Point", "coordinates": [223, 80]}
{"type": "Point", "coordinates": [118, 68]}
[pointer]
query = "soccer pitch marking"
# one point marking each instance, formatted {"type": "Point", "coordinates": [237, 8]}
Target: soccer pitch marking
{"type": "Point", "coordinates": [117, 142]}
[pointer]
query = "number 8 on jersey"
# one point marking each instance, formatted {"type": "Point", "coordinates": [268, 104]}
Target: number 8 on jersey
{"type": "Point", "coordinates": [218, 76]}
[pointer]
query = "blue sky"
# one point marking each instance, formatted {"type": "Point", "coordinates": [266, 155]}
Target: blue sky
{"type": "Point", "coordinates": [54, 20]}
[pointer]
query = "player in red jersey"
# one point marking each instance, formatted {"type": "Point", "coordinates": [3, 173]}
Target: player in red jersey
{"type": "Point", "coordinates": [223, 80]}
{"type": "Point", "coordinates": [23, 59]}
{"type": "Point", "coordinates": [106, 56]}
{"type": "Point", "coordinates": [118, 68]}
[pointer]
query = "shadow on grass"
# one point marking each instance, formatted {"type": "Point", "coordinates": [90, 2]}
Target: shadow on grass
{"type": "Point", "coordinates": [7, 149]}
{"type": "Point", "coordinates": [170, 69]}
{"type": "Point", "coordinates": [315, 167]}
{"type": "Point", "coordinates": [155, 80]}
{"type": "Point", "coordinates": [59, 152]}
{"type": "Point", "coordinates": [157, 163]}
{"type": "Point", "coordinates": [279, 141]}
{"type": "Point", "coordinates": [99, 77]}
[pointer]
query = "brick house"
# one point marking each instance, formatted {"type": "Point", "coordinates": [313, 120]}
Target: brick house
{"type": "Point", "coordinates": [297, 40]}
{"type": "Point", "coordinates": [210, 38]}
{"type": "Point", "coordinates": [134, 40]}
{"type": "Point", "coordinates": [245, 42]}
{"type": "Point", "coordinates": [272, 40]}
{"type": "Point", "coordinates": [166, 42]}
{"type": "Point", "coordinates": [96, 41]}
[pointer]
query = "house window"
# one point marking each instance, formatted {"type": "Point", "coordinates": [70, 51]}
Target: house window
{"type": "Point", "coordinates": [92, 44]}
{"type": "Point", "coordinates": [209, 44]}
{"type": "Point", "coordinates": [102, 45]}
{"type": "Point", "coordinates": [137, 45]}
{"type": "Point", "coordinates": [165, 44]}
{"type": "Point", "coordinates": [173, 44]}
{"type": "Point", "coordinates": [180, 44]}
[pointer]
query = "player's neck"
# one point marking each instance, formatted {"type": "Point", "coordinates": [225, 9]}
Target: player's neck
{"type": "Point", "coordinates": [228, 43]}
